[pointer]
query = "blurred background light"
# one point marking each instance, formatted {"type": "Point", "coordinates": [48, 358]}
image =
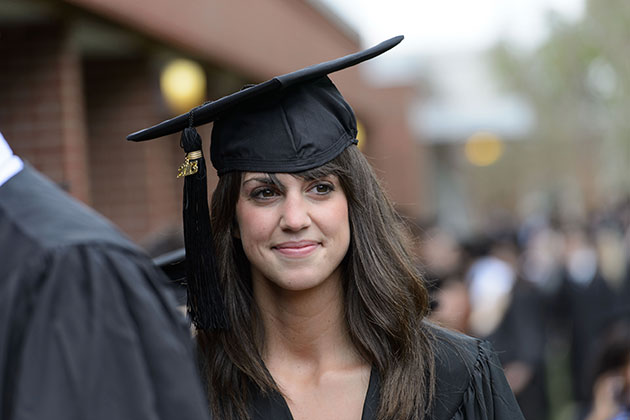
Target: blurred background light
{"type": "Point", "coordinates": [183, 85]}
{"type": "Point", "coordinates": [361, 136]}
{"type": "Point", "coordinates": [483, 148]}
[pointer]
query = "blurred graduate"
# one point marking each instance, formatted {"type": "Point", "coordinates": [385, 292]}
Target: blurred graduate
{"type": "Point", "coordinates": [87, 330]}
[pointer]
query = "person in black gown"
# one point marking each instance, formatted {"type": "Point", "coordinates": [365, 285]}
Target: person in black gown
{"type": "Point", "coordinates": [320, 311]}
{"type": "Point", "coordinates": [86, 329]}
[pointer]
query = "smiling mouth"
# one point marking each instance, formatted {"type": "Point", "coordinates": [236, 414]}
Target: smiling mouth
{"type": "Point", "coordinates": [296, 249]}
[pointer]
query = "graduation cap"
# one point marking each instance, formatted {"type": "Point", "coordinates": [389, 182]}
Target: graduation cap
{"type": "Point", "coordinates": [290, 123]}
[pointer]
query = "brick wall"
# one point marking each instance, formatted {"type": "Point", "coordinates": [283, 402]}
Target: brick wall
{"type": "Point", "coordinates": [133, 184]}
{"type": "Point", "coordinates": [41, 103]}
{"type": "Point", "coordinates": [390, 146]}
{"type": "Point", "coordinates": [69, 117]}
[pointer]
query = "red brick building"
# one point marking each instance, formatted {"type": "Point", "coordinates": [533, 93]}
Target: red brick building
{"type": "Point", "coordinates": [77, 76]}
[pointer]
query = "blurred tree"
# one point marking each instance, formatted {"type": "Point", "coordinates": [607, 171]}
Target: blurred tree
{"type": "Point", "coordinates": [578, 83]}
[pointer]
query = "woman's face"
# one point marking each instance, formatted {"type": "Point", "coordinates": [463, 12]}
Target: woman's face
{"type": "Point", "coordinates": [294, 233]}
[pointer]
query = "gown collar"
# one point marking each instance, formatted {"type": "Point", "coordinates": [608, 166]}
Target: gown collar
{"type": "Point", "coordinates": [10, 164]}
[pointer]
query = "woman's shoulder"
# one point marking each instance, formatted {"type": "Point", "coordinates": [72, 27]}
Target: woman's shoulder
{"type": "Point", "coordinates": [469, 379]}
{"type": "Point", "coordinates": [456, 355]}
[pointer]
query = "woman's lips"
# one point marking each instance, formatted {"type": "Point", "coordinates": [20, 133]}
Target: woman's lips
{"type": "Point", "coordinates": [296, 249]}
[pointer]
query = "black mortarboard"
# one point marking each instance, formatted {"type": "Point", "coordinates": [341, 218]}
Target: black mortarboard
{"type": "Point", "coordinates": [290, 123]}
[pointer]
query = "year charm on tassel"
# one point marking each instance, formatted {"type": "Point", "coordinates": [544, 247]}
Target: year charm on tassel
{"type": "Point", "coordinates": [189, 167]}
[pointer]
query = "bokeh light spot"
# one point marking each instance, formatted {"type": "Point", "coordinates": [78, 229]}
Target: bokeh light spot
{"type": "Point", "coordinates": [483, 148]}
{"type": "Point", "coordinates": [361, 135]}
{"type": "Point", "coordinates": [183, 85]}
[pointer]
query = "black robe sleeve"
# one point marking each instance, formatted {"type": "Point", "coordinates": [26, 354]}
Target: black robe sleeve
{"type": "Point", "coordinates": [98, 345]}
{"type": "Point", "coordinates": [470, 383]}
{"type": "Point", "coordinates": [86, 328]}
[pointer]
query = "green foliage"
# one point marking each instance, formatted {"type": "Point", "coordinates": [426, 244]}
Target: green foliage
{"type": "Point", "coordinates": [577, 83]}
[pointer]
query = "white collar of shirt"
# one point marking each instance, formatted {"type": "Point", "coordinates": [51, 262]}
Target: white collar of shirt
{"type": "Point", "coordinates": [9, 163]}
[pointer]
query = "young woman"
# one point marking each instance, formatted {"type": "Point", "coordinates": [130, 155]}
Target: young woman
{"type": "Point", "coordinates": [324, 306]}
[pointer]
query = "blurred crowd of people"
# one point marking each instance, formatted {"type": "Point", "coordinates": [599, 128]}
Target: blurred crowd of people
{"type": "Point", "coordinates": [543, 291]}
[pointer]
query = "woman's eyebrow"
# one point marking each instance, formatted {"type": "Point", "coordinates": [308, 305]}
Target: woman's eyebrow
{"type": "Point", "coordinates": [263, 180]}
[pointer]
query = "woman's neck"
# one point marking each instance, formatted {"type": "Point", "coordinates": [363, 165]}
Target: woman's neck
{"type": "Point", "coordinates": [305, 329]}
{"type": "Point", "coordinates": [309, 353]}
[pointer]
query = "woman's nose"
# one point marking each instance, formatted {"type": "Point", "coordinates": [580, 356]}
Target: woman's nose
{"type": "Point", "coordinates": [295, 215]}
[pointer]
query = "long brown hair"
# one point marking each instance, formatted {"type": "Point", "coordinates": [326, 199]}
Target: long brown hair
{"type": "Point", "coordinates": [385, 301]}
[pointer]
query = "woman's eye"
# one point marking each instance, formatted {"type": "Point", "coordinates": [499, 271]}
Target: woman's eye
{"type": "Point", "coordinates": [322, 188]}
{"type": "Point", "coordinates": [263, 193]}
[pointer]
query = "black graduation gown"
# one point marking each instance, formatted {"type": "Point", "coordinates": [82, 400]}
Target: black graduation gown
{"type": "Point", "coordinates": [86, 330]}
{"type": "Point", "coordinates": [587, 310]}
{"type": "Point", "coordinates": [470, 385]}
{"type": "Point", "coordinates": [520, 337]}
